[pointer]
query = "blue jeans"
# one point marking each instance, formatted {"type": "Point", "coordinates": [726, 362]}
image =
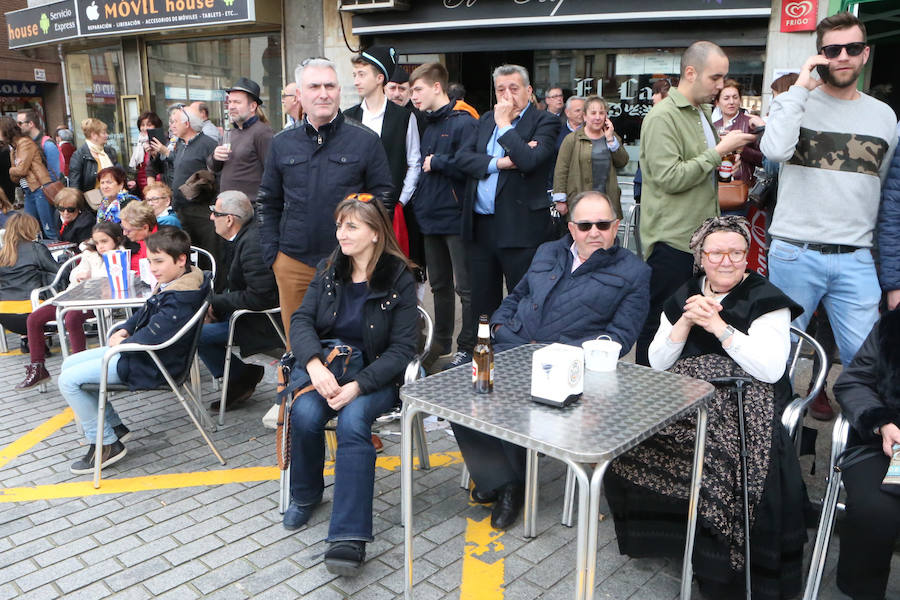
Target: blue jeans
{"type": "Point", "coordinates": [213, 338]}
{"type": "Point", "coordinates": [845, 283]}
{"type": "Point", "coordinates": [36, 205]}
{"type": "Point", "coordinates": [354, 472]}
{"type": "Point", "coordinates": [84, 367]}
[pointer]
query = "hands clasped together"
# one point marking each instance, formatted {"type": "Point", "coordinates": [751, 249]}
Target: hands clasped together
{"type": "Point", "coordinates": [703, 311]}
{"type": "Point", "coordinates": [336, 395]}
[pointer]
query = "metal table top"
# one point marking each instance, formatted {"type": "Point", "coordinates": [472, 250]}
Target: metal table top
{"type": "Point", "coordinates": [617, 411]}
{"type": "Point", "coordinates": [97, 293]}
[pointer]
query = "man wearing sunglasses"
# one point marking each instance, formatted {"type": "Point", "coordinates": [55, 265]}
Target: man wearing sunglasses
{"type": "Point", "coordinates": [836, 143]}
{"type": "Point", "coordinates": [578, 287]}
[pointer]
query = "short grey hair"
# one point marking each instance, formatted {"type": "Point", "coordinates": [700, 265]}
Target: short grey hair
{"type": "Point", "coordinates": [574, 99]}
{"type": "Point", "coordinates": [590, 193]}
{"type": "Point", "coordinates": [238, 204]}
{"type": "Point", "coordinates": [189, 116]}
{"type": "Point", "coordinates": [315, 62]}
{"type": "Point", "coordinates": [504, 70]}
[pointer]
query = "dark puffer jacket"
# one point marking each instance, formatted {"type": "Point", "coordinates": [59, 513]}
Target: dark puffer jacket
{"type": "Point", "coordinates": [609, 294]}
{"type": "Point", "coordinates": [389, 320]}
{"type": "Point", "coordinates": [161, 316]}
{"type": "Point", "coordinates": [889, 226]}
{"type": "Point", "coordinates": [83, 167]}
{"type": "Point", "coordinates": [439, 192]}
{"type": "Point", "coordinates": [868, 389]}
{"type": "Point", "coordinates": [307, 174]}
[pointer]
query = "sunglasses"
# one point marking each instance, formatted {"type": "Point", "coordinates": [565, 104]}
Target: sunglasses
{"type": "Point", "coordinates": [70, 209]}
{"type": "Point", "coordinates": [212, 209]}
{"type": "Point", "coordinates": [584, 226]}
{"type": "Point", "coordinates": [834, 50]}
{"type": "Point", "coordinates": [365, 198]}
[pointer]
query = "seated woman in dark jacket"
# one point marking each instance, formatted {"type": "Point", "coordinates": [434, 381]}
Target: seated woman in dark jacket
{"type": "Point", "coordinates": [723, 322]}
{"type": "Point", "coordinates": [868, 391]}
{"type": "Point", "coordinates": [24, 265]}
{"type": "Point", "coordinates": [364, 295]}
{"type": "Point", "coordinates": [75, 220]}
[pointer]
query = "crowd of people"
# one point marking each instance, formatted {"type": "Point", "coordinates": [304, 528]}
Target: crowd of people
{"type": "Point", "coordinates": [338, 219]}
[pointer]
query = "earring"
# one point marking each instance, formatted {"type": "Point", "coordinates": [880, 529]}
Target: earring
{"type": "Point", "coordinates": [374, 240]}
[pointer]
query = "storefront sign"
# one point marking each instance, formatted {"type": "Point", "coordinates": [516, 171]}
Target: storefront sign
{"type": "Point", "coordinates": [110, 17]}
{"type": "Point", "coordinates": [42, 24]}
{"type": "Point", "coordinates": [799, 15]}
{"type": "Point", "coordinates": [40, 75]}
{"type": "Point", "coordinates": [465, 14]}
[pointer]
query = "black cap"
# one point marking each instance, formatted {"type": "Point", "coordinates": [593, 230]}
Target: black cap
{"type": "Point", "coordinates": [248, 86]}
{"type": "Point", "coordinates": [400, 75]}
{"type": "Point", "coordinates": [383, 58]}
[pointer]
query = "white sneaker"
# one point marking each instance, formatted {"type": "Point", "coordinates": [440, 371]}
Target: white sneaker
{"type": "Point", "coordinates": [270, 419]}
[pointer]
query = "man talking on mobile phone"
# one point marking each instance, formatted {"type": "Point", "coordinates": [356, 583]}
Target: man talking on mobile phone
{"type": "Point", "coordinates": [836, 143]}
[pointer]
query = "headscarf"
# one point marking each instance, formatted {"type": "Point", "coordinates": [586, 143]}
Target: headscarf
{"type": "Point", "coordinates": [99, 153]}
{"type": "Point", "coordinates": [729, 223]}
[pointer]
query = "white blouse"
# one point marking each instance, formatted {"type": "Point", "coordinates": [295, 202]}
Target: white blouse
{"type": "Point", "coordinates": [762, 352]}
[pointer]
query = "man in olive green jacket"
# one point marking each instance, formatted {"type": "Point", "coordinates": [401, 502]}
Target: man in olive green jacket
{"type": "Point", "coordinates": [680, 153]}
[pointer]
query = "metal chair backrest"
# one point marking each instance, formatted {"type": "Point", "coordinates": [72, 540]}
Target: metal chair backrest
{"type": "Point", "coordinates": [197, 252]}
{"type": "Point", "coordinates": [792, 418]}
{"type": "Point", "coordinates": [196, 322]}
{"type": "Point", "coordinates": [59, 283]}
{"type": "Point", "coordinates": [413, 369]}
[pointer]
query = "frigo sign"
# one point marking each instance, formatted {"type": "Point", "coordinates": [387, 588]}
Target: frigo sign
{"type": "Point", "coordinates": [87, 18]}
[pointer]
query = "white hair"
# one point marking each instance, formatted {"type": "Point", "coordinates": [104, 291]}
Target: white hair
{"type": "Point", "coordinates": [574, 99]}
{"type": "Point", "coordinates": [188, 116]}
{"type": "Point", "coordinates": [318, 63]}
{"type": "Point", "coordinates": [503, 70]}
{"type": "Point", "coordinates": [236, 203]}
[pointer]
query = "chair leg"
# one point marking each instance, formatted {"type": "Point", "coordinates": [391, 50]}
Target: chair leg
{"type": "Point", "coordinates": [98, 447]}
{"type": "Point", "coordinates": [569, 499]}
{"type": "Point", "coordinates": [331, 443]}
{"type": "Point", "coordinates": [4, 346]}
{"type": "Point", "coordinates": [284, 490]}
{"type": "Point", "coordinates": [464, 479]}
{"type": "Point", "coordinates": [225, 377]}
{"type": "Point", "coordinates": [193, 417]}
{"type": "Point", "coordinates": [421, 443]}
{"type": "Point", "coordinates": [531, 493]}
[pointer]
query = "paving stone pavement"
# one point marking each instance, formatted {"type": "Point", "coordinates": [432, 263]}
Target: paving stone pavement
{"type": "Point", "coordinates": [226, 541]}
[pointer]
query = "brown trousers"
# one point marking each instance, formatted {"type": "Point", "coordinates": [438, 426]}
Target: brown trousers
{"type": "Point", "coordinates": [293, 278]}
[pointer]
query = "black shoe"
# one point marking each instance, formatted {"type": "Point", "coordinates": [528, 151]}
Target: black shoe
{"type": "Point", "coordinates": [23, 344]}
{"type": "Point", "coordinates": [480, 497]}
{"type": "Point", "coordinates": [122, 432]}
{"type": "Point", "coordinates": [508, 506]}
{"type": "Point", "coordinates": [240, 391]}
{"type": "Point", "coordinates": [460, 358]}
{"type": "Point", "coordinates": [112, 454]}
{"type": "Point", "coordinates": [345, 557]}
{"type": "Point", "coordinates": [297, 516]}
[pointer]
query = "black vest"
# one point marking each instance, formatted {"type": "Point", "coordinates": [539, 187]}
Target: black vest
{"type": "Point", "coordinates": [393, 138]}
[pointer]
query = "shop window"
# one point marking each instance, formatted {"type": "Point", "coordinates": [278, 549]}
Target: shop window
{"type": "Point", "coordinates": [95, 86]}
{"type": "Point", "coordinates": [189, 71]}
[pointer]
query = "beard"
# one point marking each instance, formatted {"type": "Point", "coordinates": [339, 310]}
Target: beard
{"type": "Point", "coordinates": [844, 81]}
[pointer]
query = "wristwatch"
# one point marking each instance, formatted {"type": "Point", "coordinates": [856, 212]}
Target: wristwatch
{"type": "Point", "coordinates": [729, 331]}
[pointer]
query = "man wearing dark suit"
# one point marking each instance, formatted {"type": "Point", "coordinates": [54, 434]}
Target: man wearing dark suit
{"type": "Point", "coordinates": [506, 212]}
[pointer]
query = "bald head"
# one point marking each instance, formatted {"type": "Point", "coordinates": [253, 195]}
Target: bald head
{"type": "Point", "coordinates": [698, 54]}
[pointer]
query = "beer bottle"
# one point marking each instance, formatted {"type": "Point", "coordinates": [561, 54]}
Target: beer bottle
{"type": "Point", "coordinates": [726, 168]}
{"type": "Point", "coordinates": [483, 359]}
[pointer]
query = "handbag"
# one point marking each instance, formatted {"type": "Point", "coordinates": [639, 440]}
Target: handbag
{"type": "Point", "coordinates": [764, 188]}
{"type": "Point", "coordinates": [51, 190]}
{"type": "Point", "coordinates": [732, 194]}
{"type": "Point", "coordinates": [289, 388]}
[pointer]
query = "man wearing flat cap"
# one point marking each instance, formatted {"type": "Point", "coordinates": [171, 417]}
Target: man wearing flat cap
{"type": "Point", "coordinates": [239, 161]}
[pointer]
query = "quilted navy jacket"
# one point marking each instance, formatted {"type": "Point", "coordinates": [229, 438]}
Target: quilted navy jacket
{"type": "Point", "coordinates": [609, 294]}
{"type": "Point", "coordinates": [889, 226]}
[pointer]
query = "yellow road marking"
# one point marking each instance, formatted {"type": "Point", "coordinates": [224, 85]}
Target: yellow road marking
{"type": "Point", "coordinates": [45, 429]}
{"type": "Point", "coordinates": [482, 578]}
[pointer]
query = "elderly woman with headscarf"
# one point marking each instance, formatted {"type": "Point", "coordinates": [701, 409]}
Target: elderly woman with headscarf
{"type": "Point", "coordinates": [723, 322]}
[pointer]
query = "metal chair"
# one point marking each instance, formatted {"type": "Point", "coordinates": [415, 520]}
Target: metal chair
{"type": "Point", "coordinates": [632, 230]}
{"type": "Point", "coordinates": [180, 387]}
{"type": "Point", "coordinates": [413, 372]}
{"type": "Point", "coordinates": [829, 506]}
{"type": "Point", "coordinates": [57, 285]}
{"type": "Point", "coordinates": [197, 252]}
{"type": "Point", "coordinates": [276, 323]}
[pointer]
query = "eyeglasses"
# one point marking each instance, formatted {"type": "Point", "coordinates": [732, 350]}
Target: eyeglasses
{"type": "Point", "coordinates": [71, 209]}
{"type": "Point", "coordinates": [365, 198]}
{"type": "Point", "coordinates": [156, 198]}
{"type": "Point", "coordinates": [834, 50]}
{"type": "Point", "coordinates": [716, 258]}
{"type": "Point", "coordinates": [554, 96]}
{"type": "Point", "coordinates": [585, 226]}
{"type": "Point", "coordinates": [212, 209]}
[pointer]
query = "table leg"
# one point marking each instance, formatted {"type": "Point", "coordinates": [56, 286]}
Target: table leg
{"type": "Point", "coordinates": [531, 493]}
{"type": "Point", "coordinates": [406, 464]}
{"type": "Point", "coordinates": [581, 542]}
{"type": "Point", "coordinates": [61, 330]}
{"type": "Point", "coordinates": [593, 519]}
{"type": "Point", "coordinates": [687, 566]}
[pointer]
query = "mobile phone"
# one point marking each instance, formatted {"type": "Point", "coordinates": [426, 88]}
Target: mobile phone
{"type": "Point", "coordinates": [157, 133]}
{"type": "Point", "coordinates": [758, 130]}
{"type": "Point", "coordinates": [822, 70]}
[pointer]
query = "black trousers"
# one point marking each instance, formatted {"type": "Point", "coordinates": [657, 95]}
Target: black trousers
{"type": "Point", "coordinates": [448, 263]}
{"type": "Point", "coordinates": [870, 528]}
{"type": "Point", "coordinates": [489, 265]}
{"type": "Point", "coordinates": [492, 463]}
{"type": "Point", "coordinates": [669, 269]}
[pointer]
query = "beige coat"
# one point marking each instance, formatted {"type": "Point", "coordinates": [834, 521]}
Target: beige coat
{"type": "Point", "coordinates": [574, 174]}
{"type": "Point", "coordinates": [26, 162]}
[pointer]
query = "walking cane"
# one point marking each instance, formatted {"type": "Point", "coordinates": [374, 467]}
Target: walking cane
{"type": "Point", "coordinates": [739, 383]}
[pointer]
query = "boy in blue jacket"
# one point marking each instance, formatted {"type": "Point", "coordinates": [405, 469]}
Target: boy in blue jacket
{"type": "Point", "coordinates": [180, 292]}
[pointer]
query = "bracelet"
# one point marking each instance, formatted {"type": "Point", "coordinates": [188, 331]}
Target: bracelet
{"type": "Point", "coordinates": [729, 331]}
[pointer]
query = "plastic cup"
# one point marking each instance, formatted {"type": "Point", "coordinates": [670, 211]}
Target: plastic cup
{"type": "Point", "coordinates": [601, 354]}
{"type": "Point", "coordinates": [118, 263]}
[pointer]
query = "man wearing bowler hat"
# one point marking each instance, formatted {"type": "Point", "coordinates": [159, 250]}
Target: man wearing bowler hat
{"type": "Point", "coordinates": [240, 159]}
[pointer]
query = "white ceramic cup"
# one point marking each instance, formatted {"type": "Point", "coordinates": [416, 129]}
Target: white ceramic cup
{"type": "Point", "coordinates": [601, 354]}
